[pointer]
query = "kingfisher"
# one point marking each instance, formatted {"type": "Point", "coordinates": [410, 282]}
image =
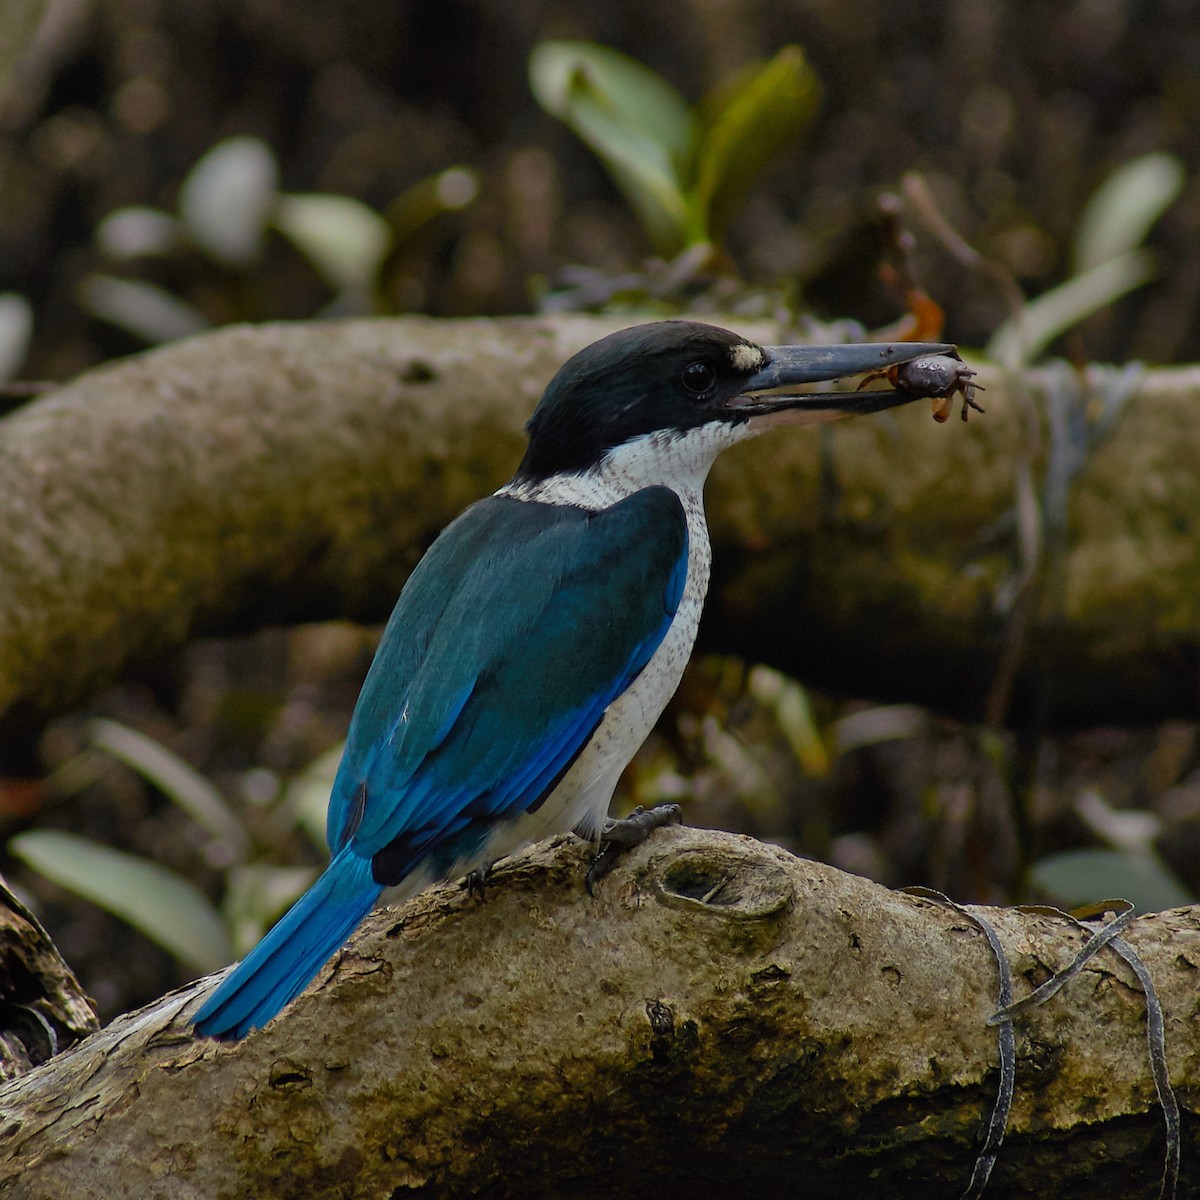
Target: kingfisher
{"type": "Point", "coordinates": [540, 637]}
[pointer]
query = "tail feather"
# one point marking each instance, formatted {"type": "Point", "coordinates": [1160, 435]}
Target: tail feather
{"type": "Point", "coordinates": [282, 965]}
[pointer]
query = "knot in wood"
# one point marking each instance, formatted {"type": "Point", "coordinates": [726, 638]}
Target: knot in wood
{"type": "Point", "coordinates": [733, 883]}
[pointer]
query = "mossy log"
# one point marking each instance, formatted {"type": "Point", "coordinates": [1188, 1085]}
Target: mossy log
{"type": "Point", "coordinates": [282, 473]}
{"type": "Point", "coordinates": [721, 1019]}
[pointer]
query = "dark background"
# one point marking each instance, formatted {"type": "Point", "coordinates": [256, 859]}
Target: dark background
{"type": "Point", "coordinates": [1013, 112]}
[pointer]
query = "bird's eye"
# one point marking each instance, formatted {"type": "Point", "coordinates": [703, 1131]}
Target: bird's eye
{"type": "Point", "coordinates": [698, 377]}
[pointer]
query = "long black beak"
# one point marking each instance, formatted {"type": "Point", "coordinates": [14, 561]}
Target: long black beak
{"type": "Point", "coordinates": [791, 366]}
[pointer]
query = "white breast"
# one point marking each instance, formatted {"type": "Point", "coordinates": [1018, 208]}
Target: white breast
{"type": "Point", "coordinates": [680, 462]}
{"type": "Point", "coordinates": [584, 794]}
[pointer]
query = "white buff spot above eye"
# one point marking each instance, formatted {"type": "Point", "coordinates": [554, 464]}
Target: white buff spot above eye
{"type": "Point", "coordinates": [746, 357]}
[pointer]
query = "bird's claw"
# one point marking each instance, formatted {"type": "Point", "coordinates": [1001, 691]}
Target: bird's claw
{"type": "Point", "coordinates": [475, 882]}
{"type": "Point", "coordinates": [624, 834]}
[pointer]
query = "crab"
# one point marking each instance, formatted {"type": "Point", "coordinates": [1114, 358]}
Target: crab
{"type": "Point", "coordinates": [937, 376]}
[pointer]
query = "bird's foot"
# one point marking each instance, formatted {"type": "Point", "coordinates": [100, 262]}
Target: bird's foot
{"type": "Point", "coordinates": [630, 831]}
{"type": "Point", "coordinates": [475, 882]}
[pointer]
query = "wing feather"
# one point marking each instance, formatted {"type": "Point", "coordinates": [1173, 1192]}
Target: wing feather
{"type": "Point", "coordinates": [517, 630]}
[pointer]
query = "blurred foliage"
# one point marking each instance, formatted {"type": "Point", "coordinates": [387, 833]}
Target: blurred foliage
{"type": "Point", "coordinates": [228, 203]}
{"type": "Point", "coordinates": [1014, 116]}
{"type": "Point", "coordinates": [163, 905]}
{"type": "Point", "coordinates": [1076, 878]}
{"type": "Point", "coordinates": [175, 825]}
{"type": "Point", "coordinates": [1107, 258]}
{"type": "Point", "coordinates": [1129, 866]}
{"type": "Point", "coordinates": [685, 172]}
{"type": "Point", "coordinates": [16, 330]}
{"type": "Point", "coordinates": [160, 902]}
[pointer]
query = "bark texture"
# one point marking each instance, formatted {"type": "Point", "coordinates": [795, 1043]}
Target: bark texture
{"type": "Point", "coordinates": [289, 472]}
{"type": "Point", "coordinates": [722, 1019]}
{"type": "Point", "coordinates": [42, 1006]}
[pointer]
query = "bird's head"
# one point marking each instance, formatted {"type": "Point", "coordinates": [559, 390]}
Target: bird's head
{"type": "Point", "coordinates": [673, 382]}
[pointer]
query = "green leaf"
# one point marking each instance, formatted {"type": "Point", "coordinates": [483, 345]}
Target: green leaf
{"type": "Point", "coordinates": [148, 312]}
{"type": "Point", "coordinates": [746, 123]}
{"type": "Point", "coordinates": [1017, 342]}
{"type": "Point", "coordinates": [227, 198]}
{"type": "Point", "coordinates": [1125, 206]}
{"type": "Point", "coordinates": [176, 779]}
{"type": "Point", "coordinates": [161, 904]}
{"type": "Point", "coordinates": [137, 232]}
{"type": "Point", "coordinates": [16, 328]}
{"type": "Point", "coordinates": [636, 123]}
{"type": "Point", "coordinates": [795, 716]}
{"type": "Point", "coordinates": [881, 723]}
{"type": "Point", "coordinates": [639, 167]}
{"type": "Point", "coordinates": [1078, 877]}
{"type": "Point", "coordinates": [638, 99]}
{"type": "Point", "coordinates": [448, 191]}
{"type": "Point", "coordinates": [344, 239]}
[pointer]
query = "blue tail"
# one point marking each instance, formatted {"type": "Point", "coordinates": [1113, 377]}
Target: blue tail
{"type": "Point", "coordinates": [282, 965]}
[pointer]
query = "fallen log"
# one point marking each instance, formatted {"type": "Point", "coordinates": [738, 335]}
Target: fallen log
{"type": "Point", "coordinates": [284, 473]}
{"type": "Point", "coordinates": [723, 1018]}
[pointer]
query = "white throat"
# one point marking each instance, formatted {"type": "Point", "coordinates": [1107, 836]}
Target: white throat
{"type": "Point", "coordinates": [678, 460]}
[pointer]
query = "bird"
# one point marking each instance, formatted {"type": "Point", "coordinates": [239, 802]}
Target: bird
{"type": "Point", "coordinates": [538, 640]}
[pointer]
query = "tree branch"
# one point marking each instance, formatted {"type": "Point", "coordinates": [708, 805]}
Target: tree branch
{"type": "Point", "coordinates": [723, 1016]}
{"type": "Point", "coordinates": [289, 472]}
{"type": "Point", "coordinates": [42, 1005]}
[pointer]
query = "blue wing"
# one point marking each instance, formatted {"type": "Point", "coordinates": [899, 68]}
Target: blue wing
{"type": "Point", "coordinates": [518, 628]}
{"type": "Point", "coordinates": [515, 632]}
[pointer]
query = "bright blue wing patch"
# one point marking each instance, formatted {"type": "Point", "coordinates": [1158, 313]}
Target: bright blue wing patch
{"type": "Point", "coordinates": [517, 630]}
